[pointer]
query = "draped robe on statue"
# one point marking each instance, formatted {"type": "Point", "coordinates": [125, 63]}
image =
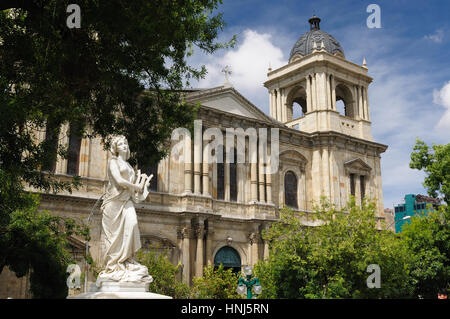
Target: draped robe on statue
{"type": "Point", "coordinates": [122, 237]}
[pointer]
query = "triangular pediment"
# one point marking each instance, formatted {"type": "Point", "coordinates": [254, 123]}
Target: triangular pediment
{"type": "Point", "coordinates": [227, 99]}
{"type": "Point", "coordinates": [358, 166]}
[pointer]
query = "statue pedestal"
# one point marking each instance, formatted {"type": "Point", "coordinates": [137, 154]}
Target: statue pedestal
{"type": "Point", "coordinates": [119, 290]}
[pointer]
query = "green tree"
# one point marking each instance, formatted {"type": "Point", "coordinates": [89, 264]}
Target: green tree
{"type": "Point", "coordinates": [436, 165]}
{"type": "Point", "coordinates": [330, 260]}
{"type": "Point", "coordinates": [122, 72]}
{"type": "Point", "coordinates": [38, 241]}
{"type": "Point", "coordinates": [164, 274]}
{"type": "Point", "coordinates": [428, 238]}
{"type": "Point", "coordinates": [216, 284]}
{"type": "Point", "coordinates": [428, 242]}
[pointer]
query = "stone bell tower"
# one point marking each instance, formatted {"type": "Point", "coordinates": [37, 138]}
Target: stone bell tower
{"type": "Point", "coordinates": [314, 81]}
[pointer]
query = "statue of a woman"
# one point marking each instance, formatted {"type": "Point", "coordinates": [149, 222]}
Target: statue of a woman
{"type": "Point", "coordinates": [119, 221]}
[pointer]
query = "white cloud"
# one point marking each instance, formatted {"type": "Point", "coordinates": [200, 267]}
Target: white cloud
{"type": "Point", "coordinates": [442, 97]}
{"type": "Point", "coordinates": [437, 37]}
{"type": "Point", "coordinates": [249, 62]}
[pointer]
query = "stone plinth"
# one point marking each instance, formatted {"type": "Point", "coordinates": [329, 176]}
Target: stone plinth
{"type": "Point", "coordinates": [119, 290]}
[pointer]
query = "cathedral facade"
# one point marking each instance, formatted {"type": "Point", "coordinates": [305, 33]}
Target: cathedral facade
{"type": "Point", "coordinates": [203, 212]}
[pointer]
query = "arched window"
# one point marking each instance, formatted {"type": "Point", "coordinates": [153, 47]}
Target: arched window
{"type": "Point", "coordinates": [290, 190]}
{"type": "Point", "coordinates": [233, 178]}
{"type": "Point", "coordinates": [73, 158]}
{"type": "Point", "coordinates": [229, 258]}
{"type": "Point", "coordinates": [221, 178]}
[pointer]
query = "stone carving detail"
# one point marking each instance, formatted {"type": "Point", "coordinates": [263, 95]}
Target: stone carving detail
{"type": "Point", "coordinates": [357, 166]}
{"type": "Point", "coordinates": [253, 238]}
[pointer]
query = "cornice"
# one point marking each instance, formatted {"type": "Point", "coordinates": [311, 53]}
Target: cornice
{"type": "Point", "coordinates": [317, 60]}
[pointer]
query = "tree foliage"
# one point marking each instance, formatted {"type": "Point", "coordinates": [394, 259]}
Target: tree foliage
{"type": "Point", "coordinates": [428, 238]}
{"type": "Point", "coordinates": [216, 283]}
{"type": "Point", "coordinates": [122, 72]}
{"type": "Point", "coordinates": [428, 241]}
{"type": "Point", "coordinates": [164, 274]}
{"type": "Point", "coordinates": [436, 165]}
{"type": "Point", "coordinates": [331, 260]}
{"type": "Point", "coordinates": [37, 242]}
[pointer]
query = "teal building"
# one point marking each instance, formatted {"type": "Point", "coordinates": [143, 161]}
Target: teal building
{"type": "Point", "coordinates": [414, 204]}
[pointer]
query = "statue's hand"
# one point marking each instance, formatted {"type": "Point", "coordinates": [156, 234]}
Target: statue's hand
{"type": "Point", "coordinates": [142, 180]}
{"type": "Point", "coordinates": [147, 183]}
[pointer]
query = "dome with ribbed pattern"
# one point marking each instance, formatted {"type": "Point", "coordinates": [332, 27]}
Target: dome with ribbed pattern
{"type": "Point", "coordinates": [305, 44]}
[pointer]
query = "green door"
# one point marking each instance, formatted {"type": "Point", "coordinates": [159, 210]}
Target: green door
{"type": "Point", "coordinates": [229, 258]}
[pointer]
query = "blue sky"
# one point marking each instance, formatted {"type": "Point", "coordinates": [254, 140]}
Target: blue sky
{"type": "Point", "coordinates": [408, 57]}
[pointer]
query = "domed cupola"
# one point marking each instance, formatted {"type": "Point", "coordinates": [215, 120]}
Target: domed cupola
{"type": "Point", "coordinates": [314, 39]}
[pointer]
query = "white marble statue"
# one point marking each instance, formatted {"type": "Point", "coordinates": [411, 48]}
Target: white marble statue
{"type": "Point", "coordinates": [119, 221]}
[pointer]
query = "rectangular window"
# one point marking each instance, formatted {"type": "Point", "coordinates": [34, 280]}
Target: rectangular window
{"type": "Point", "coordinates": [73, 156]}
{"type": "Point", "coordinates": [362, 184]}
{"type": "Point", "coordinates": [51, 147]}
{"type": "Point", "coordinates": [352, 184]}
{"type": "Point", "coordinates": [233, 178]}
{"type": "Point", "coordinates": [220, 181]}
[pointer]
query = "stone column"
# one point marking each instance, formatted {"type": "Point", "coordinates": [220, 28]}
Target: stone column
{"type": "Point", "coordinates": [205, 170]}
{"type": "Point", "coordinates": [265, 242]}
{"type": "Point", "coordinates": [261, 170]}
{"type": "Point", "coordinates": [266, 249]}
{"type": "Point", "coordinates": [272, 104]}
{"type": "Point", "coordinates": [185, 245]}
{"type": "Point", "coordinates": [200, 232]}
{"type": "Point", "coordinates": [321, 91]}
{"type": "Point", "coordinates": [308, 95]}
{"type": "Point", "coordinates": [84, 157]}
{"type": "Point", "coordinates": [360, 102]}
{"type": "Point", "coordinates": [356, 99]}
{"type": "Point", "coordinates": [209, 247]}
{"type": "Point", "coordinates": [315, 174]}
{"type": "Point", "coordinates": [366, 104]}
{"type": "Point", "coordinates": [187, 164]}
{"type": "Point", "coordinates": [268, 184]}
{"type": "Point", "coordinates": [253, 241]}
{"type": "Point", "coordinates": [279, 107]}
{"type": "Point", "coordinates": [253, 182]}
{"type": "Point", "coordinates": [198, 145]}
{"type": "Point", "coordinates": [283, 106]}
{"type": "Point", "coordinates": [327, 79]}
{"type": "Point", "coordinates": [226, 177]}
{"type": "Point", "coordinates": [325, 173]}
{"type": "Point", "coordinates": [61, 164]}
{"type": "Point", "coordinates": [261, 181]}
{"type": "Point", "coordinates": [313, 91]}
{"type": "Point", "coordinates": [357, 190]}
{"type": "Point", "coordinates": [333, 93]}
{"type": "Point", "coordinates": [334, 177]}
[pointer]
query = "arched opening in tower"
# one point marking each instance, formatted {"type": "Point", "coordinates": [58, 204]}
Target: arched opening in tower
{"type": "Point", "coordinates": [296, 103]}
{"type": "Point", "coordinates": [344, 101]}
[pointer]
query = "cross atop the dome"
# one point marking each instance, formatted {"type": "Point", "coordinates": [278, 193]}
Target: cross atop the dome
{"type": "Point", "coordinates": [314, 22]}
